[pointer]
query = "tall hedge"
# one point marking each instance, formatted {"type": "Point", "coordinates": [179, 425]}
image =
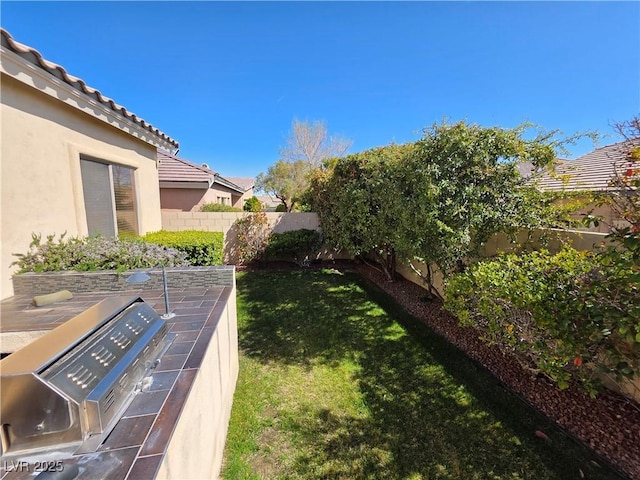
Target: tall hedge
{"type": "Point", "coordinates": [201, 248]}
{"type": "Point", "coordinates": [436, 200]}
{"type": "Point", "coordinates": [359, 203]}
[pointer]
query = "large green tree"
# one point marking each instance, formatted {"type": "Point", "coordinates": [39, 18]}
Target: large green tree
{"type": "Point", "coordinates": [463, 185]}
{"type": "Point", "coordinates": [286, 181]}
{"type": "Point", "coordinates": [358, 202]}
{"type": "Point", "coordinates": [437, 200]}
{"type": "Point", "coordinates": [570, 314]}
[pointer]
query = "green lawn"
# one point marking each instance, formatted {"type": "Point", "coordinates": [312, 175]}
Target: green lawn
{"type": "Point", "coordinates": [337, 381]}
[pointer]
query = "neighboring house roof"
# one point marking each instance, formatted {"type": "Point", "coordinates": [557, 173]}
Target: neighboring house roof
{"type": "Point", "coordinates": [35, 58]}
{"type": "Point", "coordinates": [525, 169]}
{"type": "Point", "coordinates": [592, 171]}
{"type": "Point", "coordinates": [223, 181]}
{"type": "Point", "coordinates": [177, 172]}
{"type": "Point", "coordinates": [243, 182]}
{"type": "Point", "coordinates": [269, 201]}
{"type": "Point", "coordinates": [174, 169]}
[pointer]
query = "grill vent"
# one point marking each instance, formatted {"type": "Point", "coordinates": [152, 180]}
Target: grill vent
{"type": "Point", "coordinates": [120, 339]}
{"type": "Point", "coordinates": [82, 376]}
{"type": "Point", "coordinates": [109, 399]}
{"type": "Point", "coordinates": [136, 329]}
{"type": "Point", "coordinates": [103, 355]}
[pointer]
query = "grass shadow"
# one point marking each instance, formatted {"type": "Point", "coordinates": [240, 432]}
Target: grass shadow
{"type": "Point", "coordinates": [428, 411]}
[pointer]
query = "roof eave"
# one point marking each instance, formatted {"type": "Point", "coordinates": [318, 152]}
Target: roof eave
{"type": "Point", "coordinates": [104, 109]}
{"type": "Point", "coordinates": [226, 183]}
{"type": "Point", "coordinates": [180, 184]}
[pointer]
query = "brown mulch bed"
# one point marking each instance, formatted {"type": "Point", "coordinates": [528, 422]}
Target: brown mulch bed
{"type": "Point", "coordinates": [609, 424]}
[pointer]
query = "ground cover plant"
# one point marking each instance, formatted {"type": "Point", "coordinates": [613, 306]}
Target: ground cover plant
{"type": "Point", "coordinates": [94, 253]}
{"type": "Point", "coordinates": [337, 381]}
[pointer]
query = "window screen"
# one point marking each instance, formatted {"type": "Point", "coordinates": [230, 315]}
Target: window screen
{"type": "Point", "coordinates": [109, 198]}
{"type": "Point", "coordinates": [98, 199]}
{"type": "Point", "coordinates": [124, 193]}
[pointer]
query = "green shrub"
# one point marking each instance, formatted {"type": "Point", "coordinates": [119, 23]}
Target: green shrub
{"type": "Point", "coordinates": [201, 248]}
{"type": "Point", "coordinates": [252, 204]}
{"type": "Point", "coordinates": [570, 315]}
{"type": "Point", "coordinates": [94, 253]}
{"type": "Point", "coordinates": [281, 208]}
{"type": "Point", "coordinates": [218, 207]}
{"type": "Point", "coordinates": [300, 246]}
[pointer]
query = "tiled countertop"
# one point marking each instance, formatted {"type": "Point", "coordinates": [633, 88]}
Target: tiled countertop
{"type": "Point", "coordinates": [136, 446]}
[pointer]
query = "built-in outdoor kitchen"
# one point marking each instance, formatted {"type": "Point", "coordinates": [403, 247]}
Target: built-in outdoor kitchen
{"type": "Point", "coordinates": [99, 382]}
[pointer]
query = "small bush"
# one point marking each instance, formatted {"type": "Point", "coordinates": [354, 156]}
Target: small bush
{"type": "Point", "coordinates": [252, 204]}
{"type": "Point", "coordinates": [201, 248]}
{"type": "Point", "coordinates": [251, 236]}
{"type": "Point", "coordinates": [570, 315]}
{"type": "Point", "coordinates": [218, 207]}
{"type": "Point", "coordinates": [300, 246]}
{"type": "Point", "coordinates": [281, 208]}
{"type": "Point", "coordinates": [94, 253]}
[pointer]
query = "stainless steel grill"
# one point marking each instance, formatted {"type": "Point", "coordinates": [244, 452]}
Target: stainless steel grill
{"type": "Point", "coordinates": [65, 391]}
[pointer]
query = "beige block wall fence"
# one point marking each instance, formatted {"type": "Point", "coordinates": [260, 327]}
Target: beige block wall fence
{"type": "Point", "coordinates": [223, 221]}
{"type": "Point", "coordinates": [552, 239]}
{"type": "Point", "coordinates": [284, 222]}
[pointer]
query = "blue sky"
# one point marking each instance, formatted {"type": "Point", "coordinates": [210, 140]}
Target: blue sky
{"type": "Point", "coordinates": [227, 79]}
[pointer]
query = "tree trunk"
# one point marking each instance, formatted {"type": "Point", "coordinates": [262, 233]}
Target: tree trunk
{"type": "Point", "coordinates": [427, 278]}
{"type": "Point", "coordinates": [387, 261]}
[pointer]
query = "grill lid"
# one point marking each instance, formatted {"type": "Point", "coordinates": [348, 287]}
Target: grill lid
{"type": "Point", "coordinates": [66, 390]}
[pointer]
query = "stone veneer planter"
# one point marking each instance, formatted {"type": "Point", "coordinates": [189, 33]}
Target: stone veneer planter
{"type": "Point", "coordinates": [112, 281]}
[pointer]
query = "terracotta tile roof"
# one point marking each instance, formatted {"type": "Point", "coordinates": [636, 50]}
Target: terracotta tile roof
{"type": "Point", "coordinates": [592, 171]}
{"type": "Point", "coordinates": [245, 183]}
{"type": "Point", "coordinates": [34, 57]}
{"type": "Point", "coordinates": [174, 169]}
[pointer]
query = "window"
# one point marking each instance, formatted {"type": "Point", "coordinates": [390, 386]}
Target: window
{"type": "Point", "coordinates": [222, 200]}
{"type": "Point", "coordinates": [109, 198]}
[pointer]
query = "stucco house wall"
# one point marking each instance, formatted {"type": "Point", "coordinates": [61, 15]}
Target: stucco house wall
{"type": "Point", "coordinates": [608, 218]}
{"type": "Point", "coordinates": [46, 126]}
{"type": "Point", "coordinates": [238, 201]}
{"type": "Point", "coordinates": [181, 199]}
{"type": "Point", "coordinates": [192, 199]}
